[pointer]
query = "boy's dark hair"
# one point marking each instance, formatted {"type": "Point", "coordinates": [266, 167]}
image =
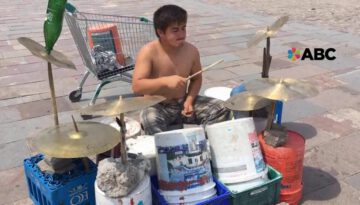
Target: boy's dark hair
{"type": "Point", "coordinates": [167, 15]}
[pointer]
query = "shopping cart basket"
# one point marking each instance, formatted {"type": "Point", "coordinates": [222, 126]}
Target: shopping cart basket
{"type": "Point", "coordinates": [107, 44]}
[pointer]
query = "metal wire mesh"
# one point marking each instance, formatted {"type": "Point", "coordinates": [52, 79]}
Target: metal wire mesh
{"type": "Point", "coordinates": [131, 34]}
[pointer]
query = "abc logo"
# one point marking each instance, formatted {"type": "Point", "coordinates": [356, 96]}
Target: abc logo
{"type": "Point", "coordinates": [308, 54]}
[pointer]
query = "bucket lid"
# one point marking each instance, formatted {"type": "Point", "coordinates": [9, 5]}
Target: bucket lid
{"type": "Point", "coordinates": [221, 93]}
{"type": "Point", "coordinates": [230, 122]}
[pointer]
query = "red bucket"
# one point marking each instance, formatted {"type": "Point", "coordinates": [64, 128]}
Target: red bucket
{"type": "Point", "coordinates": [287, 159]}
{"type": "Point", "coordinates": [292, 198]}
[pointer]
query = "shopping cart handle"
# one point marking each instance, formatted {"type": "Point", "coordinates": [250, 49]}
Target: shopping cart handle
{"type": "Point", "coordinates": [70, 8]}
{"type": "Point", "coordinates": [144, 19]}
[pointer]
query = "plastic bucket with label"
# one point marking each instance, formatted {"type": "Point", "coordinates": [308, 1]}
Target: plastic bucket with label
{"type": "Point", "coordinates": [235, 151]}
{"type": "Point", "coordinates": [183, 165]}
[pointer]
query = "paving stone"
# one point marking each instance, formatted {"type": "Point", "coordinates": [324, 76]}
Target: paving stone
{"type": "Point", "coordinates": [245, 69]}
{"type": "Point", "coordinates": [26, 201]}
{"type": "Point", "coordinates": [329, 99]}
{"type": "Point", "coordinates": [325, 122]}
{"type": "Point", "coordinates": [215, 50]}
{"type": "Point", "coordinates": [346, 115]}
{"type": "Point", "coordinates": [9, 114]}
{"type": "Point", "coordinates": [314, 43]}
{"type": "Point", "coordinates": [217, 75]}
{"type": "Point", "coordinates": [296, 44]}
{"type": "Point", "coordinates": [22, 78]}
{"type": "Point", "coordinates": [341, 62]}
{"type": "Point", "coordinates": [295, 110]}
{"type": "Point", "coordinates": [43, 107]}
{"type": "Point", "coordinates": [13, 185]}
{"type": "Point", "coordinates": [12, 158]}
{"type": "Point", "coordinates": [325, 81]}
{"type": "Point", "coordinates": [315, 179]}
{"type": "Point", "coordinates": [352, 79]}
{"type": "Point", "coordinates": [277, 64]}
{"type": "Point", "coordinates": [336, 193]}
{"type": "Point", "coordinates": [207, 60]}
{"type": "Point", "coordinates": [354, 181]}
{"type": "Point", "coordinates": [297, 72]}
{"type": "Point", "coordinates": [336, 157]}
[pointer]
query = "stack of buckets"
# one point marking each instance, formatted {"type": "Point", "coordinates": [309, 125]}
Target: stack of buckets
{"type": "Point", "coordinates": [288, 160]}
{"type": "Point", "coordinates": [236, 155]}
{"type": "Point", "coordinates": [183, 166]}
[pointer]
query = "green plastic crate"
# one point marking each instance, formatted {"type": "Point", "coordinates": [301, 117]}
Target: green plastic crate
{"type": "Point", "coordinates": [265, 194]}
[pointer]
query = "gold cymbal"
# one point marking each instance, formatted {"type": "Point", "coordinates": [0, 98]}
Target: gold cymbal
{"type": "Point", "coordinates": [119, 106]}
{"type": "Point", "coordinates": [64, 142]}
{"type": "Point", "coordinates": [38, 50]}
{"type": "Point", "coordinates": [246, 101]}
{"type": "Point", "coordinates": [281, 89]}
{"type": "Point", "coordinates": [278, 23]}
{"type": "Point", "coordinates": [267, 32]}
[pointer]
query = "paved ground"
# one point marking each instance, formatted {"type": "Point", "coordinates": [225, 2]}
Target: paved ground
{"type": "Point", "coordinates": [330, 121]}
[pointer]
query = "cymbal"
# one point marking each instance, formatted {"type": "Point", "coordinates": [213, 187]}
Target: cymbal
{"type": "Point", "coordinates": [55, 57]}
{"type": "Point", "coordinates": [63, 141]}
{"type": "Point", "coordinates": [119, 106]}
{"type": "Point", "coordinates": [246, 101]}
{"type": "Point", "coordinates": [281, 89]}
{"type": "Point", "coordinates": [267, 32]}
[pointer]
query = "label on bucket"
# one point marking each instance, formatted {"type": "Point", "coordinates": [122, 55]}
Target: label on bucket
{"type": "Point", "coordinates": [256, 151]}
{"type": "Point", "coordinates": [184, 166]}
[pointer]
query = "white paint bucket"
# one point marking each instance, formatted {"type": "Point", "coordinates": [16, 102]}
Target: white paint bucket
{"type": "Point", "coordinates": [144, 144]}
{"type": "Point", "coordinates": [141, 195]}
{"type": "Point", "coordinates": [221, 93]}
{"type": "Point", "coordinates": [183, 165]}
{"type": "Point", "coordinates": [191, 198]}
{"type": "Point", "coordinates": [133, 127]}
{"type": "Point", "coordinates": [235, 151]}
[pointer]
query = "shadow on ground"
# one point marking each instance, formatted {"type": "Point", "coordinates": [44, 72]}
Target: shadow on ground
{"type": "Point", "coordinates": [319, 185]}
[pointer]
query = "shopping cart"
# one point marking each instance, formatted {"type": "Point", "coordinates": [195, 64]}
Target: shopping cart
{"type": "Point", "coordinates": [107, 44]}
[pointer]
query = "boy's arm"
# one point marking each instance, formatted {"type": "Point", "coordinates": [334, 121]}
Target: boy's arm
{"type": "Point", "coordinates": [195, 82]}
{"type": "Point", "coordinates": [194, 87]}
{"type": "Point", "coordinates": [143, 84]}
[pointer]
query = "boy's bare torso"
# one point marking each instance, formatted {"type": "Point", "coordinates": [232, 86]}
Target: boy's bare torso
{"type": "Point", "coordinates": [180, 62]}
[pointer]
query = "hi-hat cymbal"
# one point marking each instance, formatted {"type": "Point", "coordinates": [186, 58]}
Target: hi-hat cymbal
{"type": "Point", "coordinates": [64, 142]}
{"type": "Point", "coordinates": [267, 32]}
{"type": "Point", "coordinates": [246, 101]}
{"type": "Point", "coordinates": [38, 50]}
{"type": "Point", "coordinates": [119, 106]}
{"type": "Point", "coordinates": [281, 89]}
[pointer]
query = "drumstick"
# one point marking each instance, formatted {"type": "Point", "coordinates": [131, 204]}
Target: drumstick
{"type": "Point", "coordinates": [207, 67]}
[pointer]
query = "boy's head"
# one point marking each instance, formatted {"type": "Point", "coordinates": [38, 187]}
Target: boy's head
{"type": "Point", "coordinates": [170, 24]}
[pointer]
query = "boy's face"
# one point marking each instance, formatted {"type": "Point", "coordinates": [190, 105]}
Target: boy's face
{"type": "Point", "coordinates": [174, 35]}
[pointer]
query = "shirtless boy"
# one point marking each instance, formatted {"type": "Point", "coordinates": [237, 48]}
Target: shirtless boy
{"type": "Point", "coordinates": [162, 67]}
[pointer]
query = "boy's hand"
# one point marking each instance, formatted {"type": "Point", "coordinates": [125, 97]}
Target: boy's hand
{"type": "Point", "coordinates": [177, 85]}
{"type": "Point", "coordinates": [188, 109]}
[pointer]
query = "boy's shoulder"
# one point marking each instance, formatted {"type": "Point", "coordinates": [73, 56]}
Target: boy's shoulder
{"type": "Point", "coordinates": [150, 47]}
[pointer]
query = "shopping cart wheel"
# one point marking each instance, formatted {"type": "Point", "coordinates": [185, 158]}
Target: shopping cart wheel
{"type": "Point", "coordinates": [75, 96]}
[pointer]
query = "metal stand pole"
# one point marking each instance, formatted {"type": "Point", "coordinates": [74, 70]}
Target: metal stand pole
{"type": "Point", "coordinates": [52, 92]}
